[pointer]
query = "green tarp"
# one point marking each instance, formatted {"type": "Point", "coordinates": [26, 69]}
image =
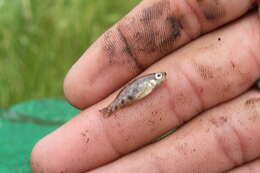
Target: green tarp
{"type": "Point", "coordinates": [22, 125]}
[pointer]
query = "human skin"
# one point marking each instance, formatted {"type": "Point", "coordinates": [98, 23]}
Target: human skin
{"type": "Point", "coordinates": [207, 95]}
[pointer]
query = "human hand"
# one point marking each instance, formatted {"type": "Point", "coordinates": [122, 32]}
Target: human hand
{"type": "Point", "coordinates": [205, 75]}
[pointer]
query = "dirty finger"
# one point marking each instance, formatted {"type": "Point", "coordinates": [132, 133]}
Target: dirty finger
{"type": "Point", "coordinates": [152, 30]}
{"type": "Point", "coordinates": [219, 140]}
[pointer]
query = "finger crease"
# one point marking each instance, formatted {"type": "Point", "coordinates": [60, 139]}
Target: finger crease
{"type": "Point", "coordinates": [195, 14]}
{"type": "Point", "coordinates": [110, 142]}
{"type": "Point", "coordinates": [222, 144]}
{"type": "Point", "coordinates": [194, 89]}
{"type": "Point", "coordinates": [178, 117]}
{"type": "Point", "coordinates": [250, 165]}
{"type": "Point", "coordinates": [173, 107]}
{"type": "Point", "coordinates": [129, 51]}
{"type": "Point", "coordinates": [184, 30]}
{"type": "Point", "coordinates": [241, 145]}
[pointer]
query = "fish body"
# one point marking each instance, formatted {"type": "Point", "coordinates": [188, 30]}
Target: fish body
{"type": "Point", "coordinates": [134, 91]}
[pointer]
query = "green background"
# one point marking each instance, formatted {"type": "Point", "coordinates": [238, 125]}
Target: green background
{"type": "Point", "coordinates": [39, 41]}
{"type": "Point", "coordinates": [22, 125]}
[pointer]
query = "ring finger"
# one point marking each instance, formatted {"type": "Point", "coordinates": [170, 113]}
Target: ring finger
{"type": "Point", "coordinates": [216, 141]}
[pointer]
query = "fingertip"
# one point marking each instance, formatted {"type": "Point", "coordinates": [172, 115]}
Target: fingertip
{"type": "Point", "coordinates": [90, 78]}
{"type": "Point", "coordinates": [33, 158]}
{"type": "Point", "coordinates": [37, 160]}
{"type": "Point", "coordinates": [48, 155]}
{"type": "Point", "coordinates": [79, 88]}
{"type": "Point", "coordinates": [76, 95]}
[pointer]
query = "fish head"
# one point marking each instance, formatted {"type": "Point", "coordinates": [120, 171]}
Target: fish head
{"type": "Point", "coordinates": [160, 77]}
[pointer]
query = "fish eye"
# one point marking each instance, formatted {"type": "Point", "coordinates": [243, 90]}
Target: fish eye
{"type": "Point", "coordinates": [158, 76]}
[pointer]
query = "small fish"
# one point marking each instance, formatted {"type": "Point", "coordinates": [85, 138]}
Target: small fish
{"type": "Point", "coordinates": [134, 91]}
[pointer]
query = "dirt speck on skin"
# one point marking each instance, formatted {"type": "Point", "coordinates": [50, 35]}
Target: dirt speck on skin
{"type": "Point", "coordinates": [233, 64]}
{"type": "Point", "coordinates": [253, 106]}
{"type": "Point", "coordinates": [226, 89]}
{"type": "Point", "coordinates": [219, 39]}
{"type": "Point", "coordinates": [182, 148]}
{"type": "Point", "coordinates": [175, 25]}
{"type": "Point", "coordinates": [118, 124]}
{"type": "Point", "coordinates": [204, 71]}
{"type": "Point", "coordinates": [201, 90]}
{"type": "Point", "coordinates": [85, 137]}
{"type": "Point", "coordinates": [154, 112]}
{"type": "Point", "coordinates": [252, 101]}
{"type": "Point", "coordinates": [218, 122]}
{"type": "Point", "coordinates": [253, 118]}
{"type": "Point", "coordinates": [223, 119]}
{"type": "Point", "coordinates": [153, 12]}
{"type": "Point", "coordinates": [151, 123]}
{"type": "Point", "coordinates": [212, 10]}
{"type": "Point", "coordinates": [109, 46]}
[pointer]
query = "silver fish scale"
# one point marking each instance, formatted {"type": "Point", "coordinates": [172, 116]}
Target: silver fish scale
{"type": "Point", "coordinates": [130, 92]}
{"type": "Point", "coordinates": [133, 88]}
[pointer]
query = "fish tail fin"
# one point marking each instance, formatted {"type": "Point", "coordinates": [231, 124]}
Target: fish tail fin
{"type": "Point", "coordinates": [106, 112]}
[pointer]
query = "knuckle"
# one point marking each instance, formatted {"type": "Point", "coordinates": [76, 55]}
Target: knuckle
{"type": "Point", "coordinates": [229, 141]}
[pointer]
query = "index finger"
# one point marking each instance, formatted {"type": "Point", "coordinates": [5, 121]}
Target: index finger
{"type": "Point", "coordinates": [152, 30]}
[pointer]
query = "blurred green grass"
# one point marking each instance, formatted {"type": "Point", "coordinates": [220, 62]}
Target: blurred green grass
{"type": "Point", "coordinates": [40, 40]}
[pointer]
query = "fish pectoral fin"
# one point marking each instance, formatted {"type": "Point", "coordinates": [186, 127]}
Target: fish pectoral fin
{"type": "Point", "coordinates": [146, 91]}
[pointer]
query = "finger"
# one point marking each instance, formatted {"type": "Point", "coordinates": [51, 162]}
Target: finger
{"type": "Point", "coordinates": [152, 30]}
{"type": "Point", "coordinates": [252, 167]}
{"type": "Point", "coordinates": [204, 74]}
{"type": "Point", "coordinates": [215, 142]}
